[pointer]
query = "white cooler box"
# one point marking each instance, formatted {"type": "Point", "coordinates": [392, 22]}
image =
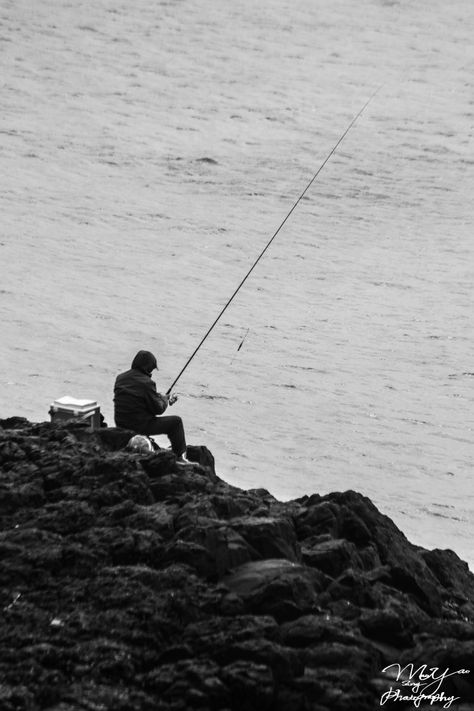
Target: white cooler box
{"type": "Point", "coordinates": [72, 408]}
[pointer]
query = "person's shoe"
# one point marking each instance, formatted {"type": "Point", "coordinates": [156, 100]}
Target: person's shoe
{"type": "Point", "coordinates": [182, 460]}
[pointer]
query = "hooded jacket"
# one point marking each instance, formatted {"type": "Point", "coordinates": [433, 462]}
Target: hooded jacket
{"type": "Point", "coordinates": [136, 402]}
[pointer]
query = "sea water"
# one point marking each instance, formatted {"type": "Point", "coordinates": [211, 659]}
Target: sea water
{"type": "Point", "coordinates": [151, 149]}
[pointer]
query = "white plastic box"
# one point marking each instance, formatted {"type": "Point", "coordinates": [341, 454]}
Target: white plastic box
{"type": "Point", "coordinates": [75, 409]}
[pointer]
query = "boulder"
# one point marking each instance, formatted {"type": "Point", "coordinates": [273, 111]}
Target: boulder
{"type": "Point", "coordinates": [114, 438]}
{"type": "Point", "coordinates": [159, 516]}
{"type": "Point", "coordinates": [317, 519]}
{"type": "Point", "coordinates": [251, 685]}
{"type": "Point", "coordinates": [158, 464]}
{"type": "Point", "coordinates": [183, 480]}
{"type": "Point", "coordinates": [201, 455]}
{"type": "Point", "coordinates": [455, 579]}
{"type": "Point", "coordinates": [396, 623]}
{"type": "Point", "coordinates": [311, 630]}
{"type": "Point", "coordinates": [277, 587]}
{"type": "Point", "coordinates": [271, 537]}
{"type": "Point", "coordinates": [332, 556]}
{"type": "Point", "coordinates": [227, 549]}
{"type": "Point", "coordinates": [393, 547]}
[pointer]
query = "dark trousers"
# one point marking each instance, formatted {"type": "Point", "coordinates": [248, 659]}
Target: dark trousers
{"type": "Point", "coordinates": [170, 425]}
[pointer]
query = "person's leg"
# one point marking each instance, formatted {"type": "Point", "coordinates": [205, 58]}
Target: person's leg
{"type": "Point", "coordinates": [170, 425]}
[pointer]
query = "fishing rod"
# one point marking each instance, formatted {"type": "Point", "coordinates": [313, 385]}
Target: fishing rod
{"type": "Point", "coordinates": [295, 205]}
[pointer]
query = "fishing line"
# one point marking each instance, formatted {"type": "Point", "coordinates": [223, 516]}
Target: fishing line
{"type": "Point", "coordinates": [295, 205]}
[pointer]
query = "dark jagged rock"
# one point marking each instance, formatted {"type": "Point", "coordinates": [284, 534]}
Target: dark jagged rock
{"type": "Point", "coordinates": [271, 537]}
{"type": "Point", "coordinates": [201, 455]}
{"type": "Point", "coordinates": [114, 438]}
{"type": "Point", "coordinates": [332, 555]}
{"type": "Point", "coordinates": [279, 587]}
{"type": "Point", "coordinates": [131, 583]}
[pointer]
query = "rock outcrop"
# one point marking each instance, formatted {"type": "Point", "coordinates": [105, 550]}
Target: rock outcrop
{"type": "Point", "coordinates": [129, 582]}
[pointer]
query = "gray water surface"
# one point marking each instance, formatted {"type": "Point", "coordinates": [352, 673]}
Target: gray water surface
{"type": "Point", "coordinates": [149, 152]}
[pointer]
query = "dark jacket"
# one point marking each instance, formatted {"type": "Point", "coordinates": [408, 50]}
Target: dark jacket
{"type": "Point", "coordinates": [136, 401]}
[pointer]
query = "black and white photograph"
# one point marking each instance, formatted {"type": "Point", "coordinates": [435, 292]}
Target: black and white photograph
{"type": "Point", "coordinates": [237, 348]}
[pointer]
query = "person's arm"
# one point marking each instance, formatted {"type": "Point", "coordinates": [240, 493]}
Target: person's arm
{"type": "Point", "coordinates": [156, 402]}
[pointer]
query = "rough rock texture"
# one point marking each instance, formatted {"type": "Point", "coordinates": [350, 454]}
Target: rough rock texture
{"type": "Point", "coordinates": [130, 582]}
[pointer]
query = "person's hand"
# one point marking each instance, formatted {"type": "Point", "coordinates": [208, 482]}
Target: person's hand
{"type": "Point", "coordinates": [172, 399]}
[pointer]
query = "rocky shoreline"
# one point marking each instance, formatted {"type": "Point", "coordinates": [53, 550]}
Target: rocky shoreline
{"type": "Point", "coordinates": [129, 583]}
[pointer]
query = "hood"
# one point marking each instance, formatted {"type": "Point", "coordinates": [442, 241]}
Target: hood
{"type": "Point", "coordinates": [144, 361]}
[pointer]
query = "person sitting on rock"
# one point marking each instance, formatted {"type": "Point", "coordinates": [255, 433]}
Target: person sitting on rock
{"type": "Point", "coordinates": [138, 405]}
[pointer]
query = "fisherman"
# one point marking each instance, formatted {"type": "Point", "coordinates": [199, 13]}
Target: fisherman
{"type": "Point", "coordinates": [137, 405]}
